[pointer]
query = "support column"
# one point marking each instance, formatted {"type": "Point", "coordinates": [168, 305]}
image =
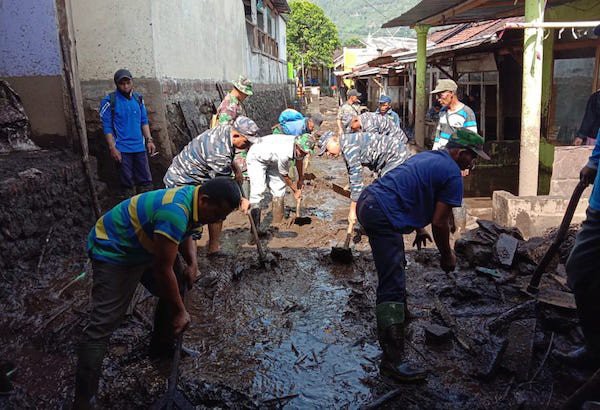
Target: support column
{"type": "Point", "coordinates": [420, 97]}
{"type": "Point", "coordinates": [532, 99]}
{"type": "Point", "coordinates": [547, 74]}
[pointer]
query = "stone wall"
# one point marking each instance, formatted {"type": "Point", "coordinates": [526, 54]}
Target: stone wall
{"type": "Point", "coordinates": [167, 125]}
{"type": "Point", "coordinates": [42, 192]}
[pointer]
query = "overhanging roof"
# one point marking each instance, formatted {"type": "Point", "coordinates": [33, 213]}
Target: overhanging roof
{"type": "Point", "coordinates": [281, 6]}
{"type": "Point", "coordinates": [443, 12]}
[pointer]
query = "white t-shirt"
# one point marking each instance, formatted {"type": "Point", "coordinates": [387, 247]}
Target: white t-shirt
{"type": "Point", "coordinates": [274, 149]}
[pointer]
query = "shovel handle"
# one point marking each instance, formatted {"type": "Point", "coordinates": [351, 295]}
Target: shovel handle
{"type": "Point", "coordinates": [348, 235]}
{"type": "Point", "coordinates": [261, 254]}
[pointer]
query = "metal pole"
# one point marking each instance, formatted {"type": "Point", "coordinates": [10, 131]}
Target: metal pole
{"type": "Point", "coordinates": [531, 100]}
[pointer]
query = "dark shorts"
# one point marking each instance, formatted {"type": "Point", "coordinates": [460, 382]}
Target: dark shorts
{"type": "Point", "coordinates": [134, 169]}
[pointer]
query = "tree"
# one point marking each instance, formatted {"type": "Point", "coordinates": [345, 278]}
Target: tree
{"type": "Point", "coordinates": [354, 42]}
{"type": "Point", "coordinates": [311, 34]}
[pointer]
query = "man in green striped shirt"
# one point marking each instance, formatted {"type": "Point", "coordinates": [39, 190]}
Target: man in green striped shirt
{"type": "Point", "coordinates": [137, 241]}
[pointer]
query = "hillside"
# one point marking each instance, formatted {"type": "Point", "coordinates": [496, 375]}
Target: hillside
{"type": "Point", "coordinates": [358, 18]}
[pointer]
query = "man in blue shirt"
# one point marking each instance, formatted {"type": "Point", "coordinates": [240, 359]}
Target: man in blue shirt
{"type": "Point", "coordinates": [125, 124]}
{"type": "Point", "coordinates": [385, 109]}
{"type": "Point", "coordinates": [583, 273]}
{"type": "Point", "coordinates": [421, 191]}
{"type": "Point", "coordinates": [292, 122]}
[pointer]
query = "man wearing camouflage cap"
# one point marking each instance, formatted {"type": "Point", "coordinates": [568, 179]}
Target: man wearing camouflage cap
{"type": "Point", "coordinates": [373, 122]}
{"type": "Point", "coordinates": [209, 155]}
{"type": "Point", "coordinates": [421, 191]}
{"type": "Point", "coordinates": [269, 163]}
{"type": "Point", "coordinates": [231, 107]}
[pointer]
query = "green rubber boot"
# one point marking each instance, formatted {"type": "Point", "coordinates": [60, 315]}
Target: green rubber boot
{"type": "Point", "coordinates": [390, 331]}
{"type": "Point", "coordinates": [89, 368]}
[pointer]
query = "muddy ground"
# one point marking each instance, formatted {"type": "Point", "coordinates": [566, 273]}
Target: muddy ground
{"type": "Point", "coordinates": [300, 334]}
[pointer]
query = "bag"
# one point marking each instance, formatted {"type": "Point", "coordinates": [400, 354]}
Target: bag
{"type": "Point", "coordinates": [289, 115]}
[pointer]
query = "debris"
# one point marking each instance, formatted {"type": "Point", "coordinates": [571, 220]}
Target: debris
{"type": "Point", "coordinates": [56, 314]}
{"type": "Point", "coordinates": [557, 298]}
{"type": "Point", "coordinates": [519, 351]}
{"type": "Point", "coordinates": [539, 369]}
{"type": "Point", "coordinates": [590, 391]}
{"type": "Point", "coordinates": [75, 280]}
{"type": "Point", "coordinates": [477, 245]}
{"type": "Point", "coordinates": [30, 173]}
{"type": "Point", "coordinates": [460, 336]}
{"type": "Point", "coordinates": [46, 241]}
{"type": "Point", "coordinates": [511, 314]}
{"type": "Point", "coordinates": [505, 249]}
{"type": "Point", "coordinates": [490, 272]}
{"type": "Point", "coordinates": [15, 128]}
{"type": "Point", "coordinates": [279, 400]}
{"type": "Point", "coordinates": [392, 394]}
{"type": "Point", "coordinates": [493, 361]}
{"type": "Point", "coordinates": [338, 189]}
{"type": "Point", "coordinates": [435, 334]}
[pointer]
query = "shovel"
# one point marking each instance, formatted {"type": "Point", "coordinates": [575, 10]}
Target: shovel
{"type": "Point", "coordinates": [174, 399]}
{"type": "Point", "coordinates": [261, 254]}
{"type": "Point", "coordinates": [299, 220]}
{"type": "Point", "coordinates": [534, 283]}
{"type": "Point", "coordinates": [343, 254]}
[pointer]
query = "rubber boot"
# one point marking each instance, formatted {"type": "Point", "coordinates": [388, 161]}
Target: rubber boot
{"type": "Point", "coordinates": [255, 215]}
{"type": "Point", "coordinates": [278, 206]}
{"type": "Point", "coordinates": [162, 343]}
{"type": "Point", "coordinates": [390, 331]}
{"type": "Point", "coordinates": [87, 376]}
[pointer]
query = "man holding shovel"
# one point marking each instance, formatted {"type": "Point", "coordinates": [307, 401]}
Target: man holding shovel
{"type": "Point", "coordinates": [269, 163]}
{"type": "Point", "coordinates": [421, 191]}
{"type": "Point", "coordinates": [209, 155]}
{"type": "Point", "coordinates": [373, 122]}
{"type": "Point", "coordinates": [138, 241]}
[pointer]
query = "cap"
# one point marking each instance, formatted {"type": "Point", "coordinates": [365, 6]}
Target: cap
{"type": "Point", "coordinates": [316, 118]}
{"type": "Point", "coordinates": [445, 85]}
{"type": "Point", "coordinates": [244, 85]}
{"type": "Point", "coordinates": [384, 99]}
{"type": "Point", "coordinates": [464, 138]}
{"type": "Point", "coordinates": [324, 140]}
{"type": "Point", "coordinates": [246, 127]}
{"type": "Point", "coordinates": [353, 93]}
{"type": "Point", "coordinates": [305, 142]}
{"type": "Point", "coordinates": [121, 74]}
{"type": "Point", "coordinates": [597, 30]}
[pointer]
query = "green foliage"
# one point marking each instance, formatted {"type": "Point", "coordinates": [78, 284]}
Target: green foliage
{"type": "Point", "coordinates": [353, 42]}
{"type": "Point", "coordinates": [359, 18]}
{"type": "Point", "coordinates": [310, 33]}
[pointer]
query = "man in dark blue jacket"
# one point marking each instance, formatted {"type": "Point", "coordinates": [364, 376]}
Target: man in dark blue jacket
{"type": "Point", "coordinates": [125, 124]}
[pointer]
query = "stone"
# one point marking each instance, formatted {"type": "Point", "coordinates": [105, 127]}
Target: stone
{"type": "Point", "coordinates": [517, 358]}
{"type": "Point", "coordinates": [477, 245]}
{"type": "Point", "coordinates": [505, 249]}
{"type": "Point", "coordinates": [436, 334]}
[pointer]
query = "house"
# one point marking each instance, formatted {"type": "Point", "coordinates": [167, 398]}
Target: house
{"type": "Point", "coordinates": [177, 52]}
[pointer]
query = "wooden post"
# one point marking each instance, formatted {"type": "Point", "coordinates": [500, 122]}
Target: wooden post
{"type": "Point", "coordinates": [531, 100]}
{"type": "Point", "coordinates": [420, 97]}
{"type": "Point", "coordinates": [499, 111]}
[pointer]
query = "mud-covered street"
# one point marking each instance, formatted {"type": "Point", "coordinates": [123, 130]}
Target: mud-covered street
{"type": "Point", "coordinates": [298, 333]}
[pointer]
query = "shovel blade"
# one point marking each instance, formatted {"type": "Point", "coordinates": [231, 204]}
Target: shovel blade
{"type": "Point", "coordinates": [341, 255]}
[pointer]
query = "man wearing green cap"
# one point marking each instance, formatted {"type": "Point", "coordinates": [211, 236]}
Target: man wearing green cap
{"type": "Point", "coordinates": [421, 191]}
{"type": "Point", "coordinates": [231, 106]}
{"type": "Point", "coordinates": [269, 163]}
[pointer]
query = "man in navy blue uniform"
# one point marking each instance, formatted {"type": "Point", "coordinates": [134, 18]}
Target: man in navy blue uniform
{"type": "Point", "coordinates": [125, 125]}
{"type": "Point", "coordinates": [421, 191]}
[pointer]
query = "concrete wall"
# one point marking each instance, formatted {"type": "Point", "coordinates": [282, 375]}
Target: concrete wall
{"type": "Point", "coordinates": [568, 161]}
{"type": "Point", "coordinates": [31, 62]}
{"type": "Point", "coordinates": [199, 39]}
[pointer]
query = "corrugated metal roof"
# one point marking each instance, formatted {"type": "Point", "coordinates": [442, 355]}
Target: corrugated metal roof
{"type": "Point", "coordinates": [443, 12]}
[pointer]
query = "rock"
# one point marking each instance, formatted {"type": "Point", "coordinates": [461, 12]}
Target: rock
{"type": "Point", "coordinates": [505, 249]}
{"type": "Point", "coordinates": [436, 334]}
{"type": "Point", "coordinates": [477, 245]}
{"type": "Point", "coordinates": [517, 358]}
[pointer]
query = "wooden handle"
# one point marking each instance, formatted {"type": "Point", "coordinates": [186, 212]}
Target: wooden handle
{"type": "Point", "coordinates": [348, 235]}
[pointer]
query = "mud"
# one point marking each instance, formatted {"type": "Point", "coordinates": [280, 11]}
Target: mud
{"type": "Point", "coordinates": [296, 334]}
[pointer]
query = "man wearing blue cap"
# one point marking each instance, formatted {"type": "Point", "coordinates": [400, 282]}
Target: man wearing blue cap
{"type": "Point", "coordinates": [385, 109]}
{"type": "Point", "coordinates": [125, 124]}
{"type": "Point", "coordinates": [421, 191]}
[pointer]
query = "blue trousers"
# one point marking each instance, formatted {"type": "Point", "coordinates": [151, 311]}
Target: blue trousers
{"type": "Point", "coordinates": [387, 245]}
{"type": "Point", "coordinates": [583, 276]}
{"type": "Point", "coordinates": [134, 170]}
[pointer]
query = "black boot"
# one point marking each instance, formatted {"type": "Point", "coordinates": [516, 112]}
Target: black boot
{"type": "Point", "coordinates": [582, 358]}
{"type": "Point", "coordinates": [162, 342]}
{"type": "Point", "coordinates": [87, 376]}
{"type": "Point", "coordinates": [390, 330]}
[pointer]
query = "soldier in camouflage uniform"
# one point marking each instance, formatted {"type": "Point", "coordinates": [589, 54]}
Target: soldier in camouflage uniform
{"type": "Point", "coordinates": [351, 107]}
{"type": "Point", "coordinates": [269, 163]}
{"type": "Point", "coordinates": [373, 122]}
{"type": "Point", "coordinates": [210, 155]}
{"type": "Point", "coordinates": [379, 153]}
